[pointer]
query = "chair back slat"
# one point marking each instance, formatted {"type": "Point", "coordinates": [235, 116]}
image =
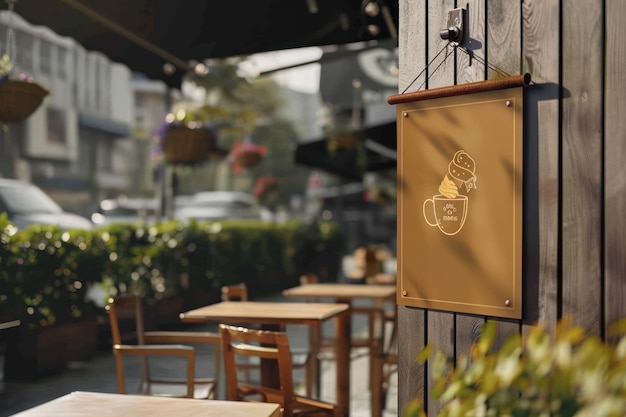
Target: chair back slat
{"type": "Point", "coordinates": [235, 292]}
{"type": "Point", "coordinates": [264, 345]}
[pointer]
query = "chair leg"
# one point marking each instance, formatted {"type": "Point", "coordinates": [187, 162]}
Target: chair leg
{"type": "Point", "coordinates": [376, 382]}
{"type": "Point", "coordinates": [313, 374]}
{"type": "Point", "coordinates": [121, 381]}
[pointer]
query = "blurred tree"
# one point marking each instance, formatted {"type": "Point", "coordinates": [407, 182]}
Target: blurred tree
{"type": "Point", "coordinates": [242, 110]}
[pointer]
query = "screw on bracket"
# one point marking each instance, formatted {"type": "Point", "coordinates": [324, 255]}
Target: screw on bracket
{"type": "Point", "coordinates": [454, 30]}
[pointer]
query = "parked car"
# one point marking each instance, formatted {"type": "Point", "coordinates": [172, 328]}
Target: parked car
{"type": "Point", "coordinates": [125, 210]}
{"type": "Point", "coordinates": [26, 204]}
{"type": "Point", "coordinates": [217, 205]}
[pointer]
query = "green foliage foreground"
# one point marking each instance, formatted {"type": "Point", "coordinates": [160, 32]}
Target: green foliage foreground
{"type": "Point", "coordinates": [53, 276]}
{"type": "Point", "coordinates": [571, 374]}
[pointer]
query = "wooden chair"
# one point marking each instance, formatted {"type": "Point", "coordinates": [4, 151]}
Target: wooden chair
{"type": "Point", "coordinates": [235, 292]}
{"type": "Point", "coordinates": [300, 359]}
{"type": "Point", "coordinates": [263, 344]}
{"type": "Point", "coordinates": [126, 313]}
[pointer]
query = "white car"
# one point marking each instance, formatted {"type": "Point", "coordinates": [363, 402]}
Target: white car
{"type": "Point", "coordinates": [26, 204]}
{"type": "Point", "coordinates": [217, 205]}
{"type": "Point", "coordinates": [125, 210]}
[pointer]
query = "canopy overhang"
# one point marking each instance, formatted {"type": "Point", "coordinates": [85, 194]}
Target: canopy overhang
{"type": "Point", "coordinates": [146, 35]}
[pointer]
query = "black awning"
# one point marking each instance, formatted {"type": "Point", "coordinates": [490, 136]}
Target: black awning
{"type": "Point", "coordinates": [378, 143]}
{"type": "Point", "coordinates": [146, 34]}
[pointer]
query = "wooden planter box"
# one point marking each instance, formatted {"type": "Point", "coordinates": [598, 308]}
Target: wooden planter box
{"type": "Point", "coordinates": [39, 351]}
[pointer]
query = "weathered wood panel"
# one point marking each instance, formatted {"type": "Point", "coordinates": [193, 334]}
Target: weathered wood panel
{"type": "Point", "coordinates": [411, 321]}
{"type": "Point", "coordinates": [615, 164]}
{"type": "Point", "coordinates": [540, 48]}
{"type": "Point", "coordinates": [504, 37]}
{"type": "Point", "coordinates": [468, 326]}
{"type": "Point", "coordinates": [503, 53]}
{"type": "Point", "coordinates": [467, 329]}
{"type": "Point", "coordinates": [411, 340]}
{"type": "Point", "coordinates": [441, 72]}
{"type": "Point", "coordinates": [440, 327]}
{"type": "Point", "coordinates": [471, 70]}
{"type": "Point", "coordinates": [582, 162]}
{"type": "Point", "coordinates": [575, 261]}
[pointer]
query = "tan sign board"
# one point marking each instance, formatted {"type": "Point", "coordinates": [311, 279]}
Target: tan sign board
{"type": "Point", "coordinates": [460, 203]}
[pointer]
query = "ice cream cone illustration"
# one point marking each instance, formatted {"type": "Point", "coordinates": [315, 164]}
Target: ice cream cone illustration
{"type": "Point", "coordinates": [449, 207]}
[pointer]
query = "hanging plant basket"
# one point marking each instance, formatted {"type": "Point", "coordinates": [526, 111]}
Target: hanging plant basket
{"type": "Point", "coordinates": [19, 99]}
{"type": "Point", "coordinates": [182, 144]}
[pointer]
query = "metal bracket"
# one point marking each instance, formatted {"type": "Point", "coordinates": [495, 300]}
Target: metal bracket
{"type": "Point", "coordinates": [454, 31]}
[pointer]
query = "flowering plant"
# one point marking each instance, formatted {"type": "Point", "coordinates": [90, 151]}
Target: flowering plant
{"type": "Point", "coordinates": [200, 140]}
{"type": "Point", "coordinates": [245, 154]}
{"type": "Point", "coordinates": [5, 67]}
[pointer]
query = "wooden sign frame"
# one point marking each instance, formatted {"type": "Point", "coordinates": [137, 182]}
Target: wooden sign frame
{"type": "Point", "coordinates": [460, 173]}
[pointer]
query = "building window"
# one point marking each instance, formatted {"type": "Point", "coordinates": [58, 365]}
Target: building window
{"type": "Point", "coordinates": [24, 46]}
{"type": "Point", "coordinates": [61, 63]}
{"type": "Point", "coordinates": [45, 53]}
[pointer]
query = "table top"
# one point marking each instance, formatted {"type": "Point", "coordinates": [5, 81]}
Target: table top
{"type": "Point", "coordinates": [264, 312]}
{"type": "Point", "coordinates": [92, 404]}
{"type": "Point", "coordinates": [346, 291]}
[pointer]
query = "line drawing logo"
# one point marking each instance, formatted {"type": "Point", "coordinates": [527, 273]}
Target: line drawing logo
{"type": "Point", "coordinates": [449, 207]}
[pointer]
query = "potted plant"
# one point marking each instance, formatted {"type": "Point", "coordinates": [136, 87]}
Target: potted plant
{"type": "Point", "coordinates": [185, 143]}
{"type": "Point", "coordinates": [19, 98]}
{"type": "Point", "coordinates": [571, 374]}
{"type": "Point", "coordinates": [46, 272]}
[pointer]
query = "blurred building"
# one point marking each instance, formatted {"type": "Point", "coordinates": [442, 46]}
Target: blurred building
{"type": "Point", "coordinates": [78, 145]}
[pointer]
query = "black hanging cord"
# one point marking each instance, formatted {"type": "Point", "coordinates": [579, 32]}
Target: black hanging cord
{"type": "Point", "coordinates": [455, 46]}
{"type": "Point", "coordinates": [426, 67]}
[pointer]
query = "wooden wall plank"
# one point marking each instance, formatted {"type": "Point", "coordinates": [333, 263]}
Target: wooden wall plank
{"type": "Point", "coordinates": [503, 37]}
{"type": "Point", "coordinates": [439, 325]}
{"type": "Point", "coordinates": [411, 321]}
{"type": "Point", "coordinates": [411, 375]}
{"type": "Point", "coordinates": [506, 328]}
{"type": "Point", "coordinates": [467, 331]}
{"type": "Point", "coordinates": [582, 162]}
{"type": "Point", "coordinates": [468, 326]}
{"type": "Point", "coordinates": [441, 71]}
{"type": "Point", "coordinates": [474, 41]}
{"type": "Point", "coordinates": [540, 48]}
{"type": "Point", "coordinates": [441, 332]}
{"type": "Point", "coordinates": [503, 53]}
{"type": "Point", "coordinates": [615, 164]}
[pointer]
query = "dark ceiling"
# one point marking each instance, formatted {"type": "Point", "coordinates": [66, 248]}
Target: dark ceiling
{"type": "Point", "coordinates": [183, 31]}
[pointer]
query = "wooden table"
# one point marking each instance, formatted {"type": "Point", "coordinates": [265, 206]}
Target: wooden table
{"type": "Point", "coordinates": [347, 293]}
{"type": "Point", "coordinates": [277, 313]}
{"type": "Point", "coordinates": [92, 404]}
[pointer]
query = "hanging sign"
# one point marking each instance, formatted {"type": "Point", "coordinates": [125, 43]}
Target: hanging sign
{"type": "Point", "coordinates": [460, 174]}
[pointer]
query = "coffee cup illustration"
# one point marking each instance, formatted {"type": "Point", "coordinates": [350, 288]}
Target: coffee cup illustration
{"type": "Point", "coordinates": [448, 214]}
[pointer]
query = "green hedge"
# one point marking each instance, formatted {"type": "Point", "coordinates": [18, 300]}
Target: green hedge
{"type": "Point", "coordinates": [46, 273]}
